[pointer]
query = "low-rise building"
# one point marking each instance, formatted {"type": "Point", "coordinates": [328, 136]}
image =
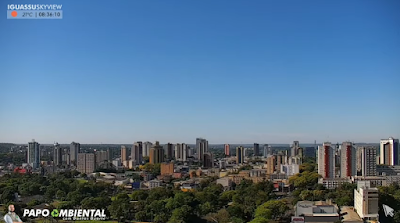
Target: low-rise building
{"type": "Point", "coordinates": [333, 183]}
{"type": "Point", "coordinates": [366, 201]}
{"type": "Point", "coordinates": [318, 211]}
{"type": "Point", "coordinates": [154, 183]}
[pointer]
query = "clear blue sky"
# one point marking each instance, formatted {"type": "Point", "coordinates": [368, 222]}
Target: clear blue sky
{"type": "Point", "coordinates": [229, 71]}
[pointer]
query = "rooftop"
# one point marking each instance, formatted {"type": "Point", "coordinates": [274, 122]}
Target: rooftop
{"type": "Point", "coordinates": [348, 214]}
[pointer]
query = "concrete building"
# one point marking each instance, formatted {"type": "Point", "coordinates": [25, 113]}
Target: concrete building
{"type": "Point", "coordinates": [154, 183]}
{"type": "Point", "coordinates": [146, 148]}
{"type": "Point", "coordinates": [181, 152]}
{"type": "Point", "coordinates": [291, 169]}
{"type": "Point", "coordinates": [318, 211]}
{"type": "Point", "coordinates": [294, 148]}
{"type": "Point", "coordinates": [156, 154]}
{"type": "Point", "coordinates": [348, 160]}
{"type": "Point", "coordinates": [267, 150]}
{"type": "Point", "coordinates": [208, 160]}
{"type": "Point", "coordinates": [333, 183]}
{"type": "Point", "coordinates": [101, 157]}
{"type": "Point", "coordinates": [202, 148]}
{"type": "Point", "coordinates": [169, 151]}
{"type": "Point", "coordinates": [389, 152]}
{"type": "Point", "coordinates": [222, 164]}
{"type": "Point", "coordinates": [57, 156]}
{"type": "Point", "coordinates": [33, 158]}
{"type": "Point", "coordinates": [66, 157]}
{"type": "Point", "coordinates": [227, 149]}
{"type": "Point", "coordinates": [256, 149]}
{"type": "Point", "coordinates": [349, 215]}
{"type": "Point", "coordinates": [137, 154]}
{"type": "Point", "coordinates": [239, 155]}
{"type": "Point", "coordinates": [326, 160]}
{"type": "Point", "coordinates": [86, 163]}
{"type": "Point", "coordinates": [271, 164]}
{"type": "Point", "coordinates": [388, 170]}
{"type": "Point", "coordinates": [366, 201]}
{"type": "Point", "coordinates": [167, 168]}
{"type": "Point", "coordinates": [124, 154]}
{"type": "Point", "coordinates": [117, 162]}
{"type": "Point", "coordinates": [368, 161]}
{"type": "Point", "coordinates": [74, 149]}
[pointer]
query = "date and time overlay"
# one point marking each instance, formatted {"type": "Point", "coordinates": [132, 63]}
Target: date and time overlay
{"type": "Point", "coordinates": [34, 11]}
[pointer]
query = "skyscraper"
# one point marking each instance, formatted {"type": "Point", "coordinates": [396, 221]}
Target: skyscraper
{"type": "Point", "coordinates": [348, 160]}
{"type": "Point", "coordinates": [202, 147]}
{"type": "Point", "coordinates": [208, 160]}
{"type": "Point", "coordinates": [57, 156]}
{"type": "Point", "coordinates": [124, 154]}
{"type": "Point", "coordinates": [239, 155]}
{"type": "Point", "coordinates": [256, 149]}
{"type": "Point", "coordinates": [33, 154]}
{"type": "Point", "coordinates": [86, 163]}
{"type": "Point", "coordinates": [181, 152]}
{"type": "Point", "coordinates": [137, 154]}
{"type": "Point", "coordinates": [156, 154]}
{"type": "Point", "coordinates": [169, 151]}
{"type": "Point", "coordinates": [74, 149]}
{"type": "Point", "coordinates": [389, 154]}
{"type": "Point", "coordinates": [326, 160]}
{"type": "Point", "coordinates": [267, 150]}
{"type": "Point", "coordinates": [227, 149]}
{"type": "Point", "coordinates": [271, 164]}
{"type": "Point", "coordinates": [368, 161]}
{"type": "Point", "coordinates": [146, 148]}
{"type": "Point", "coordinates": [295, 147]}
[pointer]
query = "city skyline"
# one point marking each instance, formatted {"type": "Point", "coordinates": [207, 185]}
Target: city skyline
{"type": "Point", "coordinates": [231, 71]}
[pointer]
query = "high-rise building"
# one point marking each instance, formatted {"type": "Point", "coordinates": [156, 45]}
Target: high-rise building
{"type": "Point", "coordinates": [348, 160]}
{"type": "Point", "coordinates": [389, 152]}
{"type": "Point", "coordinates": [101, 157]}
{"type": "Point", "coordinates": [202, 148]}
{"type": "Point", "coordinates": [74, 149]}
{"type": "Point", "coordinates": [156, 154]}
{"type": "Point", "coordinates": [33, 157]}
{"type": "Point", "coordinates": [295, 147]}
{"type": "Point", "coordinates": [256, 149]}
{"type": "Point", "coordinates": [267, 150]}
{"type": "Point", "coordinates": [124, 154]}
{"type": "Point", "coordinates": [239, 155]}
{"type": "Point", "coordinates": [271, 164]}
{"type": "Point", "coordinates": [146, 148]}
{"type": "Point", "coordinates": [368, 161]}
{"type": "Point", "coordinates": [279, 159]}
{"type": "Point", "coordinates": [208, 160]}
{"type": "Point", "coordinates": [169, 151]}
{"type": "Point", "coordinates": [227, 149]}
{"type": "Point", "coordinates": [300, 153]}
{"type": "Point", "coordinates": [86, 163]}
{"type": "Point", "coordinates": [366, 201]}
{"type": "Point", "coordinates": [137, 154]}
{"type": "Point", "coordinates": [181, 152]}
{"type": "Point", "coordinates": [359, 160]}
{"type": "Point", "coordinates": [57, 156]}
{"type": "Point", "coordinates": [326, 161]}
{"type": "Point", "coordinates": [66, 157]}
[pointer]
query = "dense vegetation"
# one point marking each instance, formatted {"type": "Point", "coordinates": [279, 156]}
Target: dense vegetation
{"type": "Point", "coordinates": [210, 203]}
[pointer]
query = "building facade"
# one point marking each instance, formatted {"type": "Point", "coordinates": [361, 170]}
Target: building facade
{"type": "Point", "coordinates": [348, 160]}
{"type": "Point", "coordinates": [137, 154]}
{"type": "Point", "coordinates": [74, 149]}
{"type": "Point", "coordinates": [33, 156]}
{"type": "Point", "coordinates": [366, 201]}
{"type": "Point", "coordinates": [86, 163]}
{"type": "Point", "coordinates": [389, 152]}
{"type": "Point", "coordinates": [368, 161]}
{"type": "Point", "coordinates": [326, 160]}
{"type": "Point", "coordinates": [156, 153]}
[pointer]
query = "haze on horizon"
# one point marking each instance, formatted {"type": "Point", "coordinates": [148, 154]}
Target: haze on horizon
{"type": "Point", "coordinates": [228, 71]}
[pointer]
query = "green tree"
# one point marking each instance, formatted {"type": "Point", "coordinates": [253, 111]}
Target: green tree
{"type": "Point", "coordinates": [260, 220]}
{"type": "Point", "coordinates": [276, 207]}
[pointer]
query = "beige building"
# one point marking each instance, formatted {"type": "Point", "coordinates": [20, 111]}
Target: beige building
{"type": "Point", "coordinates": [86, 162]}
{"type": "Point", "coordinates": [124, 154]}
{"type": "Point", "coordinates": [366, 201]}
{"type": "Point", "coordinates": [156, 154]}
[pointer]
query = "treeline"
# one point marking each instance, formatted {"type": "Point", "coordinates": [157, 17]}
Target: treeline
{"type": "Point", "coordinates": [249, 202]}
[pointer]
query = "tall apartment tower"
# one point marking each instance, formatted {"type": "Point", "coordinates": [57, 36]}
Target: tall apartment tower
{"type": "Point", "coordinates": [74, 149]}
{"type": "Point", "coordinates": [101, 157]}
{"type": "Point", "coordinates": [239, 155]}
{"type": "Point", "coordinates": [256, 148]}
{"type": "Point", "coordinates": [326, 160]}
{"type": "Point", "coordinates": [156, 153]}
{"type": "Point", "coordinates": [208, 160]}
{"type": "Point", "coordinates": [227, 149]}
{"type": "Point", "coordinates": [137, 154]}
{"type": "Point", "coordinates": [33, 158]}
{"type": "Point", "coordinates": [202, 148]}
{"type": "Point", "coordinates": [348, 160]}
{"type": "Point", "coordinates": [181, 152]}
{"type": "Point", "coordinates": [57, 156]}
{"type": "Point", "coordinates": [124, 154]}
{"type": "Point", "coordinates": [389, 154]}
{"type": "Point", "coordinates": [294, 149]}
{"type": "Point", "coordinates": [267, 150]}
{"type": "Point", "coordinates": [86, 163]}
{"type": "Point", "coordinates": [271, 164]}
{"type": "Point", "coordinates": [368, 161]}
{"type": "Point", "coordinates": [146, 148]}
{"type": "Point", "coordinates": [169, 151]}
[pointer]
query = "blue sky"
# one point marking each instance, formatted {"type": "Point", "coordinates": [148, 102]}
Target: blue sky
{"type": "Point", "coordinates": [230, 71]}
